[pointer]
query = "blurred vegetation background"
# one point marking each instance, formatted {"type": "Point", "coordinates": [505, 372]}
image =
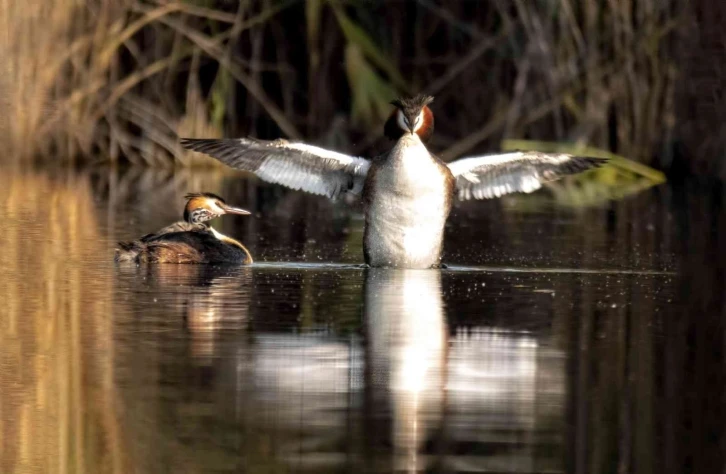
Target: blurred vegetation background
{"type": "Point", "coordinates": [118, 81]}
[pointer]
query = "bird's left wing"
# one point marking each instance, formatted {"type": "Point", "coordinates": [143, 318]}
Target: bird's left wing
{"type": "Point", "coordinates": [295, 165]}
{"type": "Point", "coordinates": [490, 176]}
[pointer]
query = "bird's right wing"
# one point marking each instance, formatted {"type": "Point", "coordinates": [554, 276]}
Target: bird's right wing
{"type": "Point", "coordinates": [295, 165]}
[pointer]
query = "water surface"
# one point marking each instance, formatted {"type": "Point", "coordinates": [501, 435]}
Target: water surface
{"type": "Point", "coordinates": [560, 339]}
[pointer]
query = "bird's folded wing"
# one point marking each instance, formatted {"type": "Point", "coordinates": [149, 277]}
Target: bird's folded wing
{"type": "Point", "coordinates": [295, 165]}
{"type": "Point", "coordinates": [180, 226]}
{"type": "Point", "coordinates": [490, 176]}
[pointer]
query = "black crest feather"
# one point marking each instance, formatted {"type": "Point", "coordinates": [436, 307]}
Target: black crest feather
{"type": "Point", "coordinates": [412, 105]}
{"type": "Point", "coordinates": [206, 195]}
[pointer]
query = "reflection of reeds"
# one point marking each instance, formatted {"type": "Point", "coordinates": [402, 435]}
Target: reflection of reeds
{"type": "Point", "coordinates": [122, 79]}
{"type": "Point", "coordinates": [56, 376]}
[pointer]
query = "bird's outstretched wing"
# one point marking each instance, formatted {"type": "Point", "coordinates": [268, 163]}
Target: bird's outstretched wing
{"type": "Point", "coordinates": [296, 165]}
{"type": "Point", "coordinates": [491, 176]}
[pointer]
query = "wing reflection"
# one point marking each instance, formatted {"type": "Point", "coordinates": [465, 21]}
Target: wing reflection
{"type": "Point", "coordinates": [413, 394]}
{"type": "Point", "coordinates": [489, 392]}
{"type": "Point", "coordinates": [402, 391]}
{"type": "Point", "coordinates": [505, 396]}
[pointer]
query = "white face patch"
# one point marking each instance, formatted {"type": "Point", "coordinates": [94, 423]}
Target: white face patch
{"type": "Point", "coordinates": [217, 208]}
{"type": "Point", "coordinates": [419, 121]}
{"type": "Point", "coordinates": [402, 121]}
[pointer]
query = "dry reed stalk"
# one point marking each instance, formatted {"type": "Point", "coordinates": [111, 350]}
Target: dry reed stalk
{"type": "Point", "coordinates": [601, 76]}
{"type": "Point", "coordinates": [68, 89]}
{"type": "Point", "coordinates": [78, 72]}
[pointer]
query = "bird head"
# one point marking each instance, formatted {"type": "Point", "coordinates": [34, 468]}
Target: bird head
{"type": "Point", "coordinates": [203, 207]}
{"type": "Point", "coordinates": [411, 115]}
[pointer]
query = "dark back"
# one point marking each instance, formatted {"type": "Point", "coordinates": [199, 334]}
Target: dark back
{"type": "Point", "coordinates": [193, 247]}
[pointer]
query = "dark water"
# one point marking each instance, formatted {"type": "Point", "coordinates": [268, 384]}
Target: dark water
{"type": "Point", "coordinates": [562, 339]}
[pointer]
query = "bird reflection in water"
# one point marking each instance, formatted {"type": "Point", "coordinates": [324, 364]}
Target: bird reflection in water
{"type": "Point", "coordinates": [206, 299]}
{"type": "Point", "coordinates": [413, 394]}
{"type": "Point", "coordinates": [406, 361]}
{"type": "Point", "coordinates": [417, 392]}
{"type": "Point", "coordinates": [470, 400]}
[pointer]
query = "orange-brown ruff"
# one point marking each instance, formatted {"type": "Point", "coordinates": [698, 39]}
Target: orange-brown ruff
{"type": "Point", "coordinates": [407, 191]}
{"type": "Point", "coordinates": [190, 240]}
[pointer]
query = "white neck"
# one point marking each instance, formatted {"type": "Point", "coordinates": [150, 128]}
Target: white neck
{"type": "Point", "coordinates": [218, 235]}
{"type": "Point", "coordinates": [230, 241]}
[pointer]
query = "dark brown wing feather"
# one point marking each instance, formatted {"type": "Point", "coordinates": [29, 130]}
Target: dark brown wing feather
{"type": "Point", "coordinates": [193, 247]}
{"type": "Point", "coordinates": [180, 242]}
{"type": "Point", "coordinates": [179, 226]}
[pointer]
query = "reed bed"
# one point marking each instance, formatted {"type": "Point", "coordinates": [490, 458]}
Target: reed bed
{"type": "Point", "coordinates": [118, 81]}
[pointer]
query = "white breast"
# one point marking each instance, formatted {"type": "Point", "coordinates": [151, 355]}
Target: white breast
{"type": "Point", "coordinates": [409, 206]}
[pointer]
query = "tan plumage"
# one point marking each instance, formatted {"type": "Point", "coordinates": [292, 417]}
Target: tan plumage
{"type": "Point", "coordinates": [190, 240]}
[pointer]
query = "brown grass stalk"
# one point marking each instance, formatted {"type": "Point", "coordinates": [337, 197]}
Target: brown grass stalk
{"type": "Point", "coordinates": [71, 66]}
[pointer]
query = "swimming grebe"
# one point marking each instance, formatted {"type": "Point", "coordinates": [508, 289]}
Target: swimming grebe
{"type": "Point", "coordinates": [408, 191]}
{"type": "Point", "coordinates": [191, 240]}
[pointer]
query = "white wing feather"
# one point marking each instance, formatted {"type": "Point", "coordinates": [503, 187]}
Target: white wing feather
{"type": "Point", "coordinates": [295, 165]}
{"type": "Point", "coordinates": [492, 176]}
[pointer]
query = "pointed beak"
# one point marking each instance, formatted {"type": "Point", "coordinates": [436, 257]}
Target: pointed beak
{"type": "Point", "coordinates": [235, 210]}
{"type": "Point", "coordinates": [410, 125]}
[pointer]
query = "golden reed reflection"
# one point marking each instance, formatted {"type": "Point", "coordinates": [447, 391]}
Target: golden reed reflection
{"type": "Point", "coordinates": [177, 381]}
{"type": "Point", "coordinates": [57, 394]}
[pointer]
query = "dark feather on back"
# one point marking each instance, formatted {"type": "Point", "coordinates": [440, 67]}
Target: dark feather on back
{"type": "Point", "coordinates": [190, 246]}
{"type": "Point", "coordinates": [206, 195]}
